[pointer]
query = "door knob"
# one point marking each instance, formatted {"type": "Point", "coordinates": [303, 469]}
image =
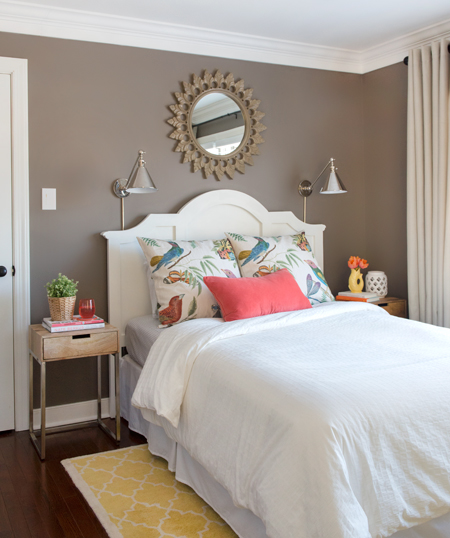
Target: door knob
{"type": "Point", "coordinates": [3, 270]}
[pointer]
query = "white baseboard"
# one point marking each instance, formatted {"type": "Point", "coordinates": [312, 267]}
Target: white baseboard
{"type": "Point", "coordinates": [60, 415]}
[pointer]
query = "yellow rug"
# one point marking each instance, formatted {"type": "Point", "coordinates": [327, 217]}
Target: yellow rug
{"type": "Point", "coordinates": [134, 495]}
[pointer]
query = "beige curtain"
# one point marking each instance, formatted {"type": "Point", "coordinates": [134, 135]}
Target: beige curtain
{"type": "Point", "coordinates": [428, 184]}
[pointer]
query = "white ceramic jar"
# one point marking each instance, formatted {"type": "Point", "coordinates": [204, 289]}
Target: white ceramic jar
{"type": "Point", "coordinates": [376, 282]}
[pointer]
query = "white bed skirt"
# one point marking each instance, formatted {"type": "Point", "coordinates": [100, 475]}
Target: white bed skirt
{"type": "Point", "coordinates": [186, 469]}
{"type": "Point", "coordinates": [190, 472]}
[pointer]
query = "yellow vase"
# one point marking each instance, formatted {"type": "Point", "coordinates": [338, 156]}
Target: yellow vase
{"type": "Point", "coordinates": [356, 281]}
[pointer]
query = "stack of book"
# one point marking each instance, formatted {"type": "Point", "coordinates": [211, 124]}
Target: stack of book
{"type": "Point", "coordinates": [76, 324]}
{"type": "Point", "coordinates": [363, 296]}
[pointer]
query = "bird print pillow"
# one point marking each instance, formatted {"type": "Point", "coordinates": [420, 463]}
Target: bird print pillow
{"type": "Point", "coordinates": [259, 256]}
{"type": "Point", "coordinates": [178, 268]}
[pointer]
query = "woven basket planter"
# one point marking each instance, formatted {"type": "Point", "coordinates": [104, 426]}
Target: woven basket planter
{"type": "Point", "coordinates": [61, 308]}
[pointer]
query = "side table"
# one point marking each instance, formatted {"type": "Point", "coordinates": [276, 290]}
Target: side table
{"type": "Point", "coordinates": [393, 305]}
{"type": "Point", "coordinates": [45, 347]}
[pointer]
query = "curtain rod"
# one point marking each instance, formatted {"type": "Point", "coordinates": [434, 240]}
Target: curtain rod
{"type": "Point", "coordinates": [218, 118]}
{"type": "Point", "coordinates": [406, 59]}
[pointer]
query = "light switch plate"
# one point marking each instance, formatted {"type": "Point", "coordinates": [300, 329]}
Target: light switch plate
{"type": "Point", "coordinates": [48, 198]}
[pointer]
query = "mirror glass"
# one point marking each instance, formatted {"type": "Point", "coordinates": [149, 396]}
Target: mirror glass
{"type": "Point", "coordinates": [217, 123]}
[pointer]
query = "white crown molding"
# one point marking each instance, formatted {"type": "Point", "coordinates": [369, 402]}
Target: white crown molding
{"type": "Point", "coordinates": [394, 51]}
{"type": "Point", "coordinates": [32, 19]}
{"type": "Point", "coordinates": [49, 21]}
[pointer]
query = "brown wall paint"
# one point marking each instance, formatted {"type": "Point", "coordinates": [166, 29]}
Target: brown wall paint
{"type": "Point", "coordinates": [92, 106]}
{"type": "Point", "coordinates": [385, 109]}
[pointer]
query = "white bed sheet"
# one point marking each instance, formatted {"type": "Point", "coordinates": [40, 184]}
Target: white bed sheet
{"type": "Point", "coordinates": [328, 461]}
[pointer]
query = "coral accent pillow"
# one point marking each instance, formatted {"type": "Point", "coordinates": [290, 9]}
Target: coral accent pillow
{"type": "Point", "coordinates": [242, 298]}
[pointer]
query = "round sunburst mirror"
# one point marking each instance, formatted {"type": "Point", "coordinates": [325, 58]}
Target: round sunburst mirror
{"type": "Point", "coordinates": [217, 124]}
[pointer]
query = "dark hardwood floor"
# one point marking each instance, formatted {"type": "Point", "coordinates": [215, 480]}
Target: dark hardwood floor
{"type": "Point", "coordinates": [38, 499]}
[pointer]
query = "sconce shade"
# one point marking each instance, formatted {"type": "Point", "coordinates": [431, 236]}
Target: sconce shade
{"type": "Point", "coordinates": [333, 185]}
{"type": "Point", "coordinates": [140, 181]}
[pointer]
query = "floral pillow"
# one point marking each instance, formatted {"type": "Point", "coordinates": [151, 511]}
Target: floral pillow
{"type": "Point", "coordinates": [259, 256]}
{"type": "Point", "coordinates": [177, 269]}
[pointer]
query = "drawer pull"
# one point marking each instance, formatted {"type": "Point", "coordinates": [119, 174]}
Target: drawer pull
{"type": "Point", "coordinates": [383, 304]}
{"type": "Point", "coordinates": [77, 336]}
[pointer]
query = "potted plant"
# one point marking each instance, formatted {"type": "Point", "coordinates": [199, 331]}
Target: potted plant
{"type": "Point", "coordinates": [61, 294]}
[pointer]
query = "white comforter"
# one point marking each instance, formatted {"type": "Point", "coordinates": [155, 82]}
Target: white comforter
{"type": "Point", "coordinates": [332, 422]}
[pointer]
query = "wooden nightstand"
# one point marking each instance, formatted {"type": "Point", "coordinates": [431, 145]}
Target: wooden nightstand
{"type": "Point", "coordinates": [393, 305]}
{"type": "Point", "coordinates": [50, 347]}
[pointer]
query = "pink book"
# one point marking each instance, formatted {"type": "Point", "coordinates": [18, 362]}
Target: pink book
{"type": "Point", "coordinates": [77, 320]}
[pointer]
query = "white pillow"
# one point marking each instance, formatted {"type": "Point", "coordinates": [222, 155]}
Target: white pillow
{"type": "Point", "coordinates": [152, 291]}
{"type": "Point", "coordinates": [177, 269]}
{"type": "Point", "coordinates": [258, 256]}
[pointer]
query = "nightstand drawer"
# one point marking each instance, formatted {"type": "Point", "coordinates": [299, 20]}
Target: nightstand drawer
{"type": "Point", "coordinates": [395, 309]}
{"type": "Point", "coordinates": [80, 345]}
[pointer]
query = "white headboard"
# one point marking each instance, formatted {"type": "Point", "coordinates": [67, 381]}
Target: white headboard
{"type": "Point", "coordinates": [207, 216]}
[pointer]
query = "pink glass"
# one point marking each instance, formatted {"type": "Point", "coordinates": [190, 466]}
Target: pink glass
{"type": "Point", "coordinates": [86, 308]}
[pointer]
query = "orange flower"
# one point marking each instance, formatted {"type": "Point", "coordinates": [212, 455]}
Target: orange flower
{"type": "Point", "coordinates": [363, 264]}
{"type": "Point", "coordinates": [353, 262]}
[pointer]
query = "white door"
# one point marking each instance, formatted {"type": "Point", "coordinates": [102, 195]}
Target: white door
{"type": "Point", "coordinates": [6, 280]}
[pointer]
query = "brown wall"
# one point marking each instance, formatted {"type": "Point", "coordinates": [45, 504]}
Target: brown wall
{"type": "Point", "coordinates": [385, 107]}
{"type": "Point", "coordinates": [92, 106]}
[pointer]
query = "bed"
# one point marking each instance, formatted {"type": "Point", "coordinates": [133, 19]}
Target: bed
{"type": "Point", "coordinates": [237, 494]}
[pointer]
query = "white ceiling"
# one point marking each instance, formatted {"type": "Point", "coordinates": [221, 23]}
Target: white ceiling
{"type": "Point", "coordinates": [347, 24]}
{"type": "Point", "coordinates": [359, 35]}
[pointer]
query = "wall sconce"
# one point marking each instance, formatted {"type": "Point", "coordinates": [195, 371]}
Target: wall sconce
{"type": "Point", "coordinates": [139, 182]}
{"type": "Point", "coordinates": [333, 185]}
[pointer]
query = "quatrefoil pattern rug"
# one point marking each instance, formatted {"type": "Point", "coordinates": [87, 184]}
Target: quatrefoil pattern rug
{"type": "Point", "coordinates": [134, 495]}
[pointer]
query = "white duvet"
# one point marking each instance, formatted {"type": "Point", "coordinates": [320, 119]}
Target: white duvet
{"type": "Point", "coordinates": [332, 422]}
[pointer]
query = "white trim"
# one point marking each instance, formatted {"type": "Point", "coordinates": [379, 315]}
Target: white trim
{"type": "Point", "coordinates": [18, 69]}
{"type": "Point", "coordinates": [49, 21]}
{"type": "Point", "coordinates": [395, 50]}
{"type": "Point", "coordinates": [60, 415]}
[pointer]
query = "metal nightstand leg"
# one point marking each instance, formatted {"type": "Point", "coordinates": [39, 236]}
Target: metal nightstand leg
{"type": "Point", "coordinates": [99, 388]}
{"type": "Point", "coordinates": [103, 426]}
{"type": "Point", "coordinates": [117, 384]}
{"type": "Point", "coordinates": [40, 449]}
{"type": "Point", "coordinates": [30, 394]}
